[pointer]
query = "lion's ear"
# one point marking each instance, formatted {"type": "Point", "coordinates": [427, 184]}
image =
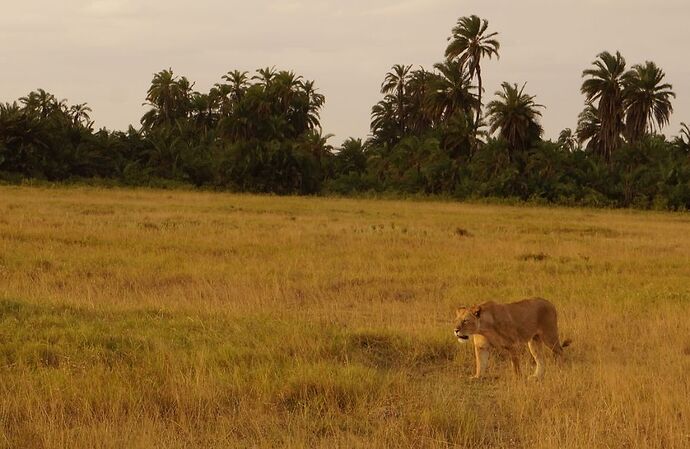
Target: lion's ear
{"type": "Point", "coordinates": [477, 311]}
{"type": "Point", "coordinates": [459, 312]}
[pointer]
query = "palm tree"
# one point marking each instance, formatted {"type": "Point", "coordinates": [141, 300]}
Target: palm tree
{"type": "Point", "coordinates": [647, 100]}
{"type": "Point", "coordinates": [351, 157]}
{"type": "Point", "coordinates": [315, 102]}
{"type": "Point", "coordinates": [683, 140]}
{"type": "Point", "coordinates": [203, 111]}
{"type": "Point", "coordinates": [567, 140]}
{"type": "Point", "coordinates": [470, 42]}
{"type": "Point", "coordinates": [317, 144]}
{"type": "Point", "coordinates": [458, 138]}
{"type": "Point", "coordinates": [9, 108]}
{"type": "Point", "coordinates": [265, 75]}
{"type": "Point", "coordinates": [80, 115]}
{"type": "Point", "coordinates": [239, 82]}
{"type": "Point", "coordinates": [589, 128]}
{"type": "Point", "coordinates": [417, 91]}
{"type": "Point", "coordinates": [395, 84]}
{"type": "Point", "coordinates": [604, 84]}
{"type": "Point", "coordinates": [685, 132]}
{"type": "Point", "coordinates": [169, 97]}
{"type": "Point", "coordinates": [41, 103]}
{"type": "Point", "coordinates": [286, 86]}
{"type": "Point", "coordinates": [450, 91]}
{"type": "Point", "coordinates": [515, 114]}
{"type": "Point", "coordinates": [383, 121]}
{"type": "Point", "coordinates": [23, 141]}
{"type": "Point", "coordinates": [227, 96]}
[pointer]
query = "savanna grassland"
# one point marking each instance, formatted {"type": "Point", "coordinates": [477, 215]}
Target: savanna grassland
{"type": "Point", "coordinates": [171, 319]}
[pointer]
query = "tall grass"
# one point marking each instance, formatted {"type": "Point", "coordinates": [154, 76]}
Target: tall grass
{"type": "Point", "coordinates": [138, 318]}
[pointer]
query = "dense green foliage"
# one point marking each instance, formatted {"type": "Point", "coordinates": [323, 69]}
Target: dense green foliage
{"type": "Point", "coordinates": [429, 135]}
{"type": "Point", "coordinates": [260, 134]}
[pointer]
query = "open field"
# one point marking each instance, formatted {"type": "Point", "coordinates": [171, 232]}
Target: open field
{"type": "Point", "coordinates": [155, 319]}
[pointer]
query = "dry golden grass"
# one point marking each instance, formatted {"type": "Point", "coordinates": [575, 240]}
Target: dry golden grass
{"type": "Point", "coordinates": [154, 319]}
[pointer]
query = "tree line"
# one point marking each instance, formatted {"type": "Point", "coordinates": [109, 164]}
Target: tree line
{"type": "Point", "coordinates": [430, 134]}
{"type": "Point", "coordinates": [259, 133]}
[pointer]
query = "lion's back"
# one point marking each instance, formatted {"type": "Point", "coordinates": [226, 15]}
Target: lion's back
{"type": "Point", "coordinates": [526, 318]}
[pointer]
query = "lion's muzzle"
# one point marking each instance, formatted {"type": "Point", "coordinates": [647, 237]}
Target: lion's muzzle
{"type": "Point", "coordinates": [462, 338]}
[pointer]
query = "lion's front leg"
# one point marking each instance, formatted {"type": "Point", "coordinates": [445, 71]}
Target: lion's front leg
{"type": "Point", "coordinates": [481, 355]}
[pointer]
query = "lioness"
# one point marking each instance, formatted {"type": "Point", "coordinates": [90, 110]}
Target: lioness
{"type": "Point", "coordinates": [506, 327]}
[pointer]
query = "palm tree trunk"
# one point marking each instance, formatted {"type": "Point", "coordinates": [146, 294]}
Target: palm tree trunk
{"type": "Point", "coordinates": [479, 97]}
{"type": "Point", "coordinates": [479, 107]}
{"type": "Point", "coordinates": [401, 93]}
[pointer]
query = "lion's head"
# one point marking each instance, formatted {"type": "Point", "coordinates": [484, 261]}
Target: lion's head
{"type": "Point", "coordinates": [467, 322]}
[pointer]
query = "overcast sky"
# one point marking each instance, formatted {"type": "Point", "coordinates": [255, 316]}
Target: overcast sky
{"type": "Point", "coordinates": [105, 52]}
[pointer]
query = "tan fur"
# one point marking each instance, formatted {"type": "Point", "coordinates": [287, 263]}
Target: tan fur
{"type": "Point", "coordinates": [508, 327]}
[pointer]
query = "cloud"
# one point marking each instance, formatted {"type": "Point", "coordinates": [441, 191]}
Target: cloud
{"type": "Point", "coordinates": [404, 7]}
{"type": "Point", "coordinates": [110, 8]}
{"type": "Point", "coordinates": [286, 7]}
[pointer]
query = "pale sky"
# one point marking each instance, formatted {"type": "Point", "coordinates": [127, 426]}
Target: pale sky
{"type": "Point", "coordinates": [105, 52]}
